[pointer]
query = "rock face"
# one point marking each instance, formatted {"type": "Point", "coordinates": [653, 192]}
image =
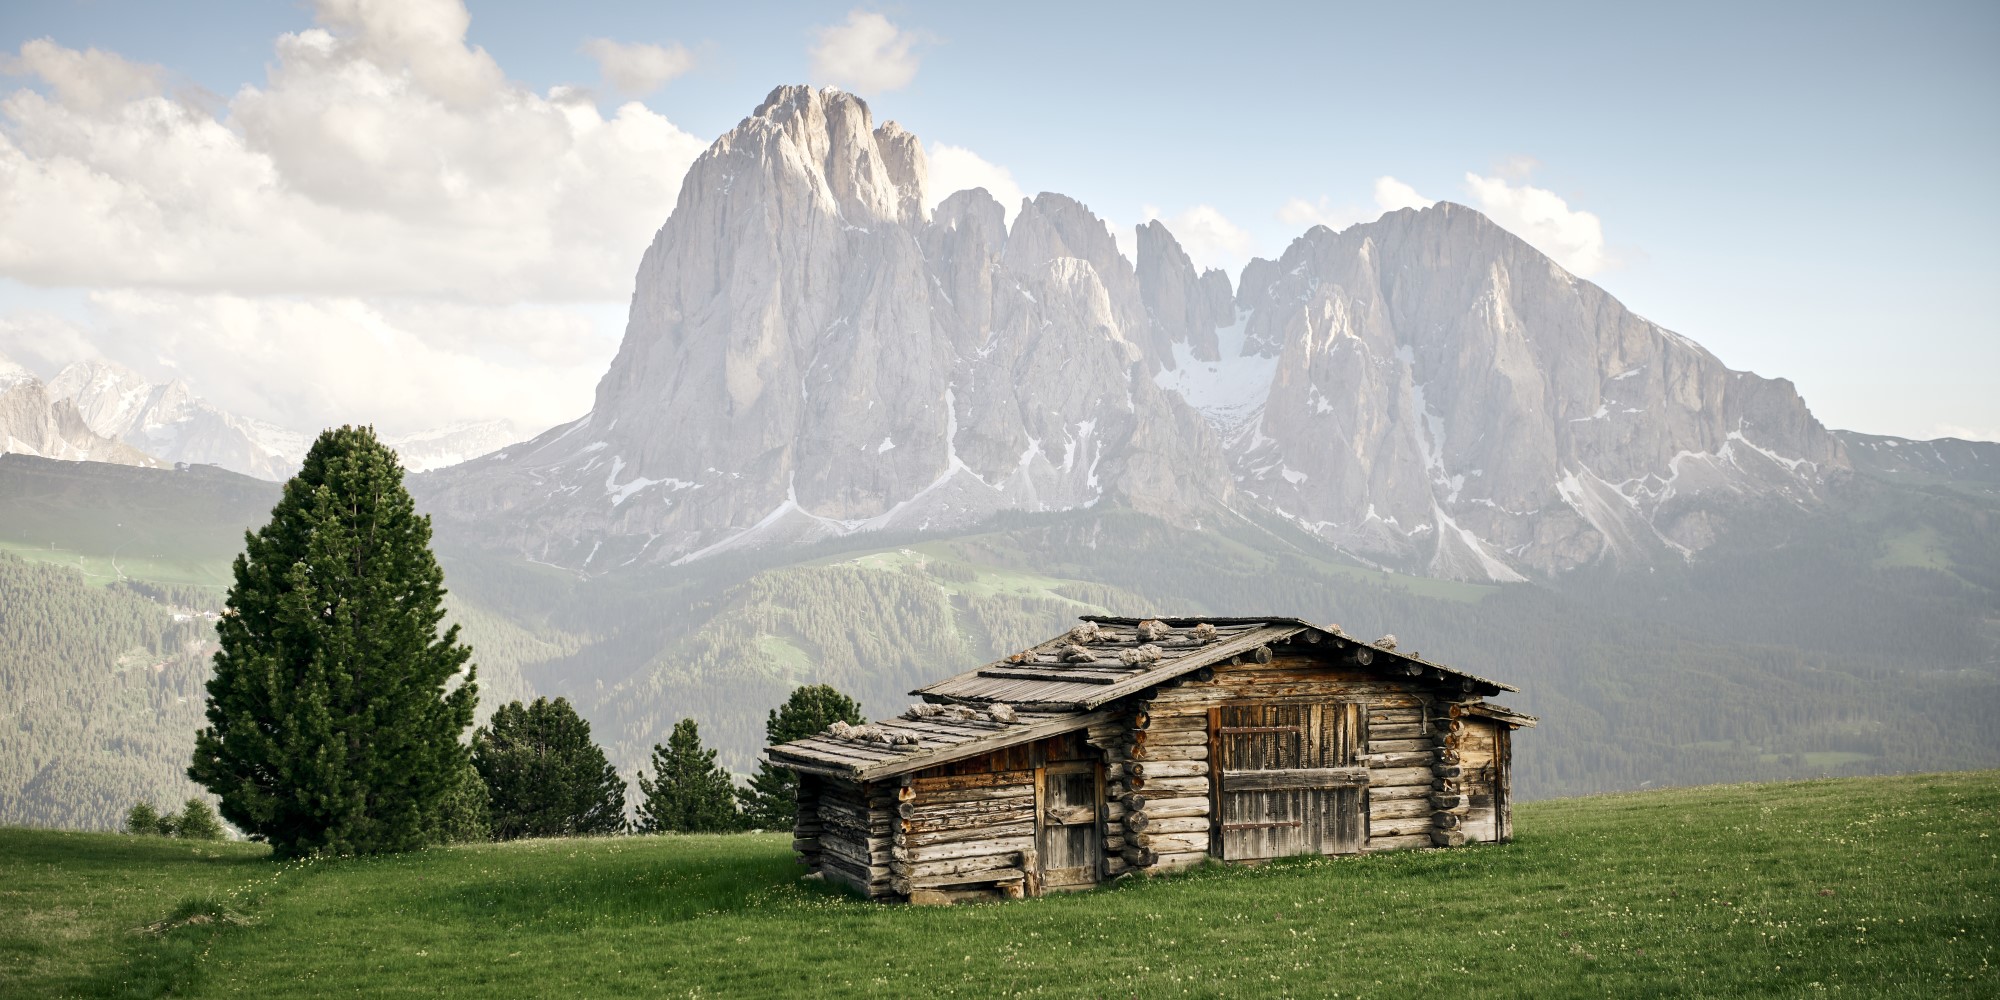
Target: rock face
{"type": "Point", "coordinates": [451, 444]}
{"type": "Point", "coordinates": [1445, 397]}
{"type": "Point", "coordinates": [810, 354]}
{"type": "Point", "coordinates": [170, 422]}
{"type": "Point", "coordinates": [33, 421]}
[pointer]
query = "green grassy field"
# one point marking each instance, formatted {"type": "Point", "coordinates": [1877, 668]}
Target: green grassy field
{"type": "Point", "coordinates": [1849, 887]}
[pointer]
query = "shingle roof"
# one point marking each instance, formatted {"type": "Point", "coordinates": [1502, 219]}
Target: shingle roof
{"type": "Point", "coordinates": [1058, 686]}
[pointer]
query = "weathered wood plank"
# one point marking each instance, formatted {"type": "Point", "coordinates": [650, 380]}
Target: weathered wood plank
{"type": "Point", "coordinates": [1169, 769]}
{"type": "Point", "coordinates": [1170, 786]}
{"type": "Point", "coordinates": [1397, 842]}
{"type": "Point", "coordinates": [1143, 824]}
{"type": "Point", "coordinates": [1284, 779]}
{"type": "Point", "coordinates": [1383, 777]}
{"type": "Point", "coordinates": [1172, 843]}
{"type": "Point", "coordinates": [926, 786]}
{"type": "Point", "coordinates": [1163, 808]}
{"type": "Point", "coordinates": [1005, 840]}
{"type": "Point", "coordinates": [1149, 752]}
{"type": "Point", "coordinates": [1383, 809]}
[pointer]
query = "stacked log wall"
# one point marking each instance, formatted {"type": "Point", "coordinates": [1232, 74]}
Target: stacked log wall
{"type": "Point", "coordinates": [1169, 813]}
{"type": "Point", "coordinates": [855, 836]}
{"type": "Point", "coordinates": [1114, 741]}
{"type": "Point", "coordinates": [1403, 783]}
{"type": "Point", "coordinates": [806, 827]}
{"type": "Point", "coordinates": [1414, 790]}
{"type": "Point", "coordinates": [962, 836]}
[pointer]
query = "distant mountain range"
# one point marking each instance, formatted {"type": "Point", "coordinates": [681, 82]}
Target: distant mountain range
{"type": "Point", "coordinates": [812, 354]}
{"type": "Point", "coordinates": [97, 411]}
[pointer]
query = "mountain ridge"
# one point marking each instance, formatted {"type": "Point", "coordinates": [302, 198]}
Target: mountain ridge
{"type": "Point", "coordinates": [809, 354]}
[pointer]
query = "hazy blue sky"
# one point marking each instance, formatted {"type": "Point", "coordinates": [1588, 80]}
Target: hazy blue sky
{"type": "Point", "coordinates": [1809, 190]}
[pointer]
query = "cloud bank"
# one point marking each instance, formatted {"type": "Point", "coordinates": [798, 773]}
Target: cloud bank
{"type": "Point", "coordinates": [383, 161]}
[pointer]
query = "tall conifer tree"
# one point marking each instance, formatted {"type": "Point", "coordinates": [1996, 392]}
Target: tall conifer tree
{"type": "Point", "coordinates": [333, 726]}
{"type": "Point", "coordinates": [771, 800]}
{"type": "Point", "coordinates": [545, 776]}
{"type": "Point", "coordinates": [689, 792]}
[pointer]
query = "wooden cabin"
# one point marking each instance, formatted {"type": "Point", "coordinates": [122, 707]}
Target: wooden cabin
{"type": "Point", "coordinates": [1128, 745]}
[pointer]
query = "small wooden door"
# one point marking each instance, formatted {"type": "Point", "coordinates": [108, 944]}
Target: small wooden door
{"type": "Point", "coordinates": [1066, 836]}
{"type": "Point", "coordinates": [1287, 780]}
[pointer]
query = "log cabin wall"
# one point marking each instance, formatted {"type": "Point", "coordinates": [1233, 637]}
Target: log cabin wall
{"type": "Point", "coordinates": [856, 827]}
{"type": "Point", "coordinates": [992, 826]}
{"type": "Point", "coordinates": [1413, 796]}
{"type": "Point", "coordinates": [1150, 745]}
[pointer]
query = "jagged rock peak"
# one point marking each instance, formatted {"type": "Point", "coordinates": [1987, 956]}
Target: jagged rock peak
{"type": "Point", "coordinates": [827, 135]}
{"type": "Point", "coordinates": [1186, 307]}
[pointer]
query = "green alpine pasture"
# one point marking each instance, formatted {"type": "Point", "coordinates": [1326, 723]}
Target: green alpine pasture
{"type": "Point", "coordinates": [1846, 887]}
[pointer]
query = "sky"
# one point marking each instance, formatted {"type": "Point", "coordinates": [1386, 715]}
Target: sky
{"type": "Point", "coordinates": [412, 214]}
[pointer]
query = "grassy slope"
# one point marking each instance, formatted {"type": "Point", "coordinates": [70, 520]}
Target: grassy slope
{"type": "Point", "coordinates": [1873, 886]}
{"type": "Point", "coordinates": [72, 905]}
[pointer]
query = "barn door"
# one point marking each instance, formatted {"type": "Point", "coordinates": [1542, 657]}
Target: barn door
{"type": "Point", "coordinates": [1067, 839]}
{"type": "Point", "coordinates": [1286, 780]}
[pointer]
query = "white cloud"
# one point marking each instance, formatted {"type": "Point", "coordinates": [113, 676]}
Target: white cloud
{"type": "Point", "coordinates": [1209, 238]}
{"type": "Point", "coordinates": [868, 54]}
{"type": "Point", "coordinates": [1300, 212]}
{"type": "Point", "coordinates": [382, 156]}
{"type": "Point", "coordinates": [1390, 195]}
{"type": "Point", "coordinates": [311, 362]}
{"type": "Point", "coordinates": [954, 168]}
{"type": "Point", "coordinates": [1573, 237]}
{"type": "Point", "coordinates": [358, 237]}
{"type": "Point", "coordinates": [638, 68]}
{"type": "Point", "coordinates": [91, 80]}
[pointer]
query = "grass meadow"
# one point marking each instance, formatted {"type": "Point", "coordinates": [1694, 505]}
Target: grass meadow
{"type": "Point", "coordinates": [1847, 887]}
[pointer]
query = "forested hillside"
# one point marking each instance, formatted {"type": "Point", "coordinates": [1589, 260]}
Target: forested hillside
{"type": "Point", "coordinates": [1864, 638]}
{"type": "Point", "coordinates": [100, 695]}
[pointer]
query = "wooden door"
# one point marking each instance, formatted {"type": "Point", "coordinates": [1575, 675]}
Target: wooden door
{"type": "Point", "coordinates": [1067, 839]}
{"type": "Point", "coordinates": [1287, 780]}
{"type": "Point", "coordinates": [1480, 760]}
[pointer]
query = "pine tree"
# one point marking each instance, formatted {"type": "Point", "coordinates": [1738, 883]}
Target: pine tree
{"type": "Point", "coordinates": [332, 724]}
{"type": "Point", "coordinates": [463, 813]}
{"type": "Point", "coordinates": [689, 792]}
{"type": "Point", "coordinates": [143, 820]}
{"type": "Point", "coordinates": [544, 775]}
{"type": "Point", "coordinates": [197, 822]}
{"type": "Point", "coordinates": [771, 800]}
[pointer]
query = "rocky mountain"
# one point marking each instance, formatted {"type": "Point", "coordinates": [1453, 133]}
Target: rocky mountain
{"type": "Point", "coordinates": [1969, 464]}
{"type": "Point", "coordinates": [811, 354]}
{"type": "Point", "coordinates": [451, 444]}
{"type": "Point", "coordinates": [35, 421]}
{"type": "Point", "coordinates": [168, 421]}
{"type": "Point", "coordinates": [1432, 392]}
{"type": "Point", "coordinates": [98, 411]}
